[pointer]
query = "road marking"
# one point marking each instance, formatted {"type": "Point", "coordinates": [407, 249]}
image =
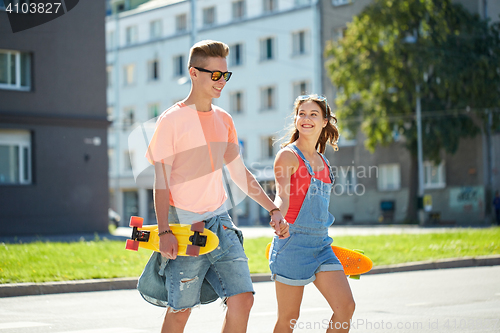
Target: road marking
{"type": "Point", "coordinates": [108, 330]}
{"type": "Point", "coordinates": [20, 324]}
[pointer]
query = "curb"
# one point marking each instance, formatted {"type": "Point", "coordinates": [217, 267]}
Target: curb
{"type": "Point", "coordinates": [30, 289]}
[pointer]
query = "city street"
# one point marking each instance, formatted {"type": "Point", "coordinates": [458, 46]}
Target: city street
{"type": "Point", "coordinates": [448, 300]}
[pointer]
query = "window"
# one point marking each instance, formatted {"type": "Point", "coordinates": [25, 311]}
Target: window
{"type": "Point", "coordinates": [237, 102]}
{"type": "Point", "coordinates": [155, 29]}
{"type": "Point", "coordinates": [128, 75]}
{"type": "Point", "coordinates": [270, 5]}
{"type": "Point", "coordinates": [338, 33]}
{"type": "Point", "coordinates": [434, 175]}
{"type": "Point", "coordinates": [267, 147]}
{"type": "Point", "coordinates": [346, 178]}
{"type": "Point", "coordinates": [110, 111]}
{"type": "Point", "coordinates": [15, 157]}
{"type": "Point", "coordinates": [302, 2]}
{"type": "Point", "coordinates": [181, 23]}
{"type": "Point", "coordinates": [267, 98]}
{"type": "Point", "coordinates": [128, 160]}
{"type": "Point", "coordinates": [110, 40]}
{"type": "Point", "coordinates": [128, 116]}
{"type": "Point", "coordinates": [347, 138]}
{"type": "Point", "coordinates": [389, 177]}
{"type": "Point", "coordinates": [153, 70]}
{"type": "Point", "coordinates": [109, 72]}
{"type": "Point", "coordinates": [208, 16]}
{"type": "Point", "coordinates": [238, 10]}
{"type": "Point", "coordinates": [15, 70]}
{"type": "Point", "coordinates": [131, 35]}
{"type": "Point", "coordinates": [299, 43]}
{"type": "Point", "coordinates": [179, 65]}
{"type": "Point", "coordinates": [300, 88]}
{"type": "Point", "coordinates": [236, 55]}
{"type": "Point", "coordinates": [153, 110]}
{"type": "Point", "coordinates": [111, 159]}
{"type": "Point", "coordinates": [341, 2]}
{"type": "Point", "coordinates": [267, 49]}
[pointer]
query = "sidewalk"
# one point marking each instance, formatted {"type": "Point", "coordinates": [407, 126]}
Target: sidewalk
{"type": "Point", "coordinates": [26, 289]}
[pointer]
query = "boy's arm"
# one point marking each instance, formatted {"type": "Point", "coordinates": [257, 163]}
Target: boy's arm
{"type": "Point", "coordinates": [244, 179]}
{"type": "Point", "coordinates": [168, 242]}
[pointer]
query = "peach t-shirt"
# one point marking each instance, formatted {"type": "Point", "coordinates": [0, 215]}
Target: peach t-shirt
{"type": "Point", "coordinates": [196, 145]}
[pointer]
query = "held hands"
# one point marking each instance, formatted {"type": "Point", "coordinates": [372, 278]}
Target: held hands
{"type": "Point", "coordinates": [279, 224]}
{"type": "Point", "coordinates": [168, 246]}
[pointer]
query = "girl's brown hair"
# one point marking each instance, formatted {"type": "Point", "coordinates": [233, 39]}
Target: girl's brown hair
{"type": "Point", "coordinates": [329, 134]}
{"type": "Point", "coordinates": [206, 49]}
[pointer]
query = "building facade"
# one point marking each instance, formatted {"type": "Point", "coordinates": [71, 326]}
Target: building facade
{"type": "Point", "coordinates": [374, 187]}
{"type": "Point", "coordinates": [53, 126]}
{"type": "Point", "coordinates": [274, 53]}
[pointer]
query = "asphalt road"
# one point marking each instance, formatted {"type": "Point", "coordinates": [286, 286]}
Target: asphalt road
{"type": "Point", "coordinates": [447, 300]}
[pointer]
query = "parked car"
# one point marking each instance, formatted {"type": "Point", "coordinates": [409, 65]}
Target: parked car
{"type": "Point", "coordinates": [114, 218]}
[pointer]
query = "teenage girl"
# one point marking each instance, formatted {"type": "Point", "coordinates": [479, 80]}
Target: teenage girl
{"type": "Point", "coordinates": [303, 185]}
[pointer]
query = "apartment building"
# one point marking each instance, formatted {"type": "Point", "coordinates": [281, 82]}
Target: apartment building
{"type": "Point", "coordinates": [274, 55]}
{"type": "Point", "coordinates": [374, 187]}
{"type": "Point", "coordinates": [53, 126]}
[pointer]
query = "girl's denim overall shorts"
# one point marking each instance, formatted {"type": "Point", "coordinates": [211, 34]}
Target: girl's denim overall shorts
{"type": "Point", "coordinates": [296, 260]}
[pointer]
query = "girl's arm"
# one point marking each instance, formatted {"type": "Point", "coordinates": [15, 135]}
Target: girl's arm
{"type": "Point", "coordinates": [285, 165]}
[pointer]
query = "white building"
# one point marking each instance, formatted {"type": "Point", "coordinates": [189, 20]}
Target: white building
{"type": "Point", "coordinates": [275, 51]}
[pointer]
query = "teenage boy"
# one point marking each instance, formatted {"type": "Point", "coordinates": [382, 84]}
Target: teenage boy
{"type": "Point", "coordinates": [192, 141]}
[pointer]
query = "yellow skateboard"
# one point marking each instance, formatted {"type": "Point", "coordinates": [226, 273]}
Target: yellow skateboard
{"type": "Point", "coordinates": [354, 262]}
{"type": "Point", "coordinates": [193, 239]}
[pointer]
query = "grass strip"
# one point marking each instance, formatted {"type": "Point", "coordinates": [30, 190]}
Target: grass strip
{"type": "Point", "coordinates": [101, 258]}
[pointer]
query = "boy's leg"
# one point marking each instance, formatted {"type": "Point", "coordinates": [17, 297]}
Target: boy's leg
{"type": "Point", "coordinates": [238, 311]}
{"type": "Point", "coordinates": [184, 277]}
{"type": "Point", "coordinates": [230, 278]}
{"type": "Point", "coordinates": [175, 321]}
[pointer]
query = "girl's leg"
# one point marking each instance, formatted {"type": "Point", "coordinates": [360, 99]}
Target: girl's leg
{"type": "Point", "coordinates": [289, 299]}
{"type": "Point", "coordinates": [334, 287]}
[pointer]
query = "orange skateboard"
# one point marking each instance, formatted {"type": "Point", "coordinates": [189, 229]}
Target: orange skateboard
{"type": "Point", "coordinates": [354, 262]}
{"type": "Point", "coordinates": [193, 239]}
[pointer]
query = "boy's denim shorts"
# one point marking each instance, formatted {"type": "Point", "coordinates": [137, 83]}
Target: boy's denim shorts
{"type": "Point", "coordinates": [225, 268]}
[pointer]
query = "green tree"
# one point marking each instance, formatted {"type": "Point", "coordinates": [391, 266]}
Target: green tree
{"type": "Point", "coordinates": [392, 47]}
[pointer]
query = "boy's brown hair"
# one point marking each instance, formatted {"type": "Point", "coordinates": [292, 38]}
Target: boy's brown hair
{"type": "Point", "coordinates": [205, 49]}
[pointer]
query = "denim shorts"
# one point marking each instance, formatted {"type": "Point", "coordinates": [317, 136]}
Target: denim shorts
{"type": "Point", "coordinates": [225, 269]}
{"type": "Point", "coordinates": [229, 275]}
{"type": "Point", "coordinates": [296, 260]}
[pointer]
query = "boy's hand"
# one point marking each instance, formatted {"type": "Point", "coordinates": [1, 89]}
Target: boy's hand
{"type": "Point", "coordinates": [168, 246]}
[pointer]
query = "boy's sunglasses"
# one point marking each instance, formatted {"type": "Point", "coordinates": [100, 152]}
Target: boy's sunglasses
{"type": "Point", "coordinates": [216, 75]}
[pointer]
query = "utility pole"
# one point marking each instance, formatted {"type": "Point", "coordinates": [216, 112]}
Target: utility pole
{"type": "Point", "coordinates": [420, 157]}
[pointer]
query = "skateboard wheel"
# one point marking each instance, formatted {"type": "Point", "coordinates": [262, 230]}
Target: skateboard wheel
{"type": "Point", "coordinates": [198, 226]}
{"type": "Point", "coordinates": [136, 221]}
{"type": "Point", "coordinates": [132, 245]}
{"type": "Point", "coordinates": [193, 250]}
{"type": "Point", "coordinates": [355, 277]}
{"type": "Point", "coordinates": [359, 251]}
